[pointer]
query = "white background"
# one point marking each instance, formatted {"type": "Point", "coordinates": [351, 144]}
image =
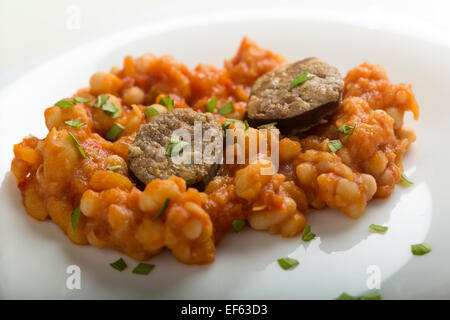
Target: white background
{"type": "Point", "coordinates": [32, 31]}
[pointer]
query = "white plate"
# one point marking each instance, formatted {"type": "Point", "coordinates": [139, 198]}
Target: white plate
{"type": "Point", "coordinates": [34, 255]}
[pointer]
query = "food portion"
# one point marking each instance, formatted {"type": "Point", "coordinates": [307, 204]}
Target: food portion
{"type": "Point", "coordinates": [297, 96]}
{"type": "Point", "coordinates": [151, 154]}
{"type": "Point", "coordinates": [106, 172]}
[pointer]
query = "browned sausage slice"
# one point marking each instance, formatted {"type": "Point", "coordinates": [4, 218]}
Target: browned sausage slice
{"type": "Point", "coordinates": [298, 108]}
{"type": "Point", "coordinates": [148, 155]}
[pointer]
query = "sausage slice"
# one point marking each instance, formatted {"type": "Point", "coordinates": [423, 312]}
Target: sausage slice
{"type": "Point", "coordinates": [299, 108]}
{"type": "Point", "coordinates": [148, 155]}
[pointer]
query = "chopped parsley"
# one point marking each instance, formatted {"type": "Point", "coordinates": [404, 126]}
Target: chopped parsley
{"type": "Point", "coordinates": [238, 224]}
{"type": "Point", "coordinates": [378, 229]}
{"type": "Point", "coordinates": [119, 265]}
{"type": "Point", "coordinates": [75, 217]}
{"type": "Point", "coordinates": [79, 147]}
{"type": "Point", "coordinates": [175, 147]}
{"type": "Point", "coordinates": [65, 104]}
{"type": "Point", "coordinates": [81, 99]}
{"type": "Point", "coordinates": [143, 268]}
{"type": "Point", "coordinates": [113, 133]}
{"type": "Point", "coordinates": [163, 209]}
{"type": "Point", "coordinates": [226, 108]}
{"type": "Point", "coordinates": [246, 125]}
{"type": "Point", "coordinates": [307, 234]}
{"type": "Point", "coordinates": [371, 296]}
{"type": "Point", "coordinates": [101, 100]}
{"type": "Point", "coordinates": [405, 179]}
{"type": "Point", "coordinates": [111, 110]}
{"type": "Point", "coordinates": [298, 80]}
{"type": "Point", "coordinates": [150, 112]}
{"type": "Point", "coordinates": [335, 145]}
{"type": "Point", "coordinates": [227, 123]}
{"type": "Point", "coordinates": [211, 105]}
{"type": "Point", "coordinates": [287, 263]}
{"type": "Point", "coordinates": [74, 123]}
{"type": "Point", "coordinates": [113, 168]}
{"type": "Point", "coordinates": [420, 249]}
{"type": "Point", "coordinates": [346, 296]}
{"type": "Point", "coordinates": [267, 125]}
{"type": "Point", "coordinates": [167, 102]}
{"type": "Point", "coordinates": [347, 130]}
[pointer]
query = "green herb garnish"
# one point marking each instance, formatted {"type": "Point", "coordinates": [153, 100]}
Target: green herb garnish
{"type": "Point", "coordinates": [65, 104]}
{"type": "Point", "coordinates": [175, 147]}
{"type": "Point", "coordinates": [347, 130]}
{"type": "Point", "coordinates": [143, 268]}
{"type": "Point", "coordinates": [420, 249]}
{"type": "Point", "coordinates": [238, 224]}
{"type": "Point", "coordinates": [151, 111]}
{"type": "Point", "coordinates": [111, 110]}
{"type": "Point", "coordinates": [81, 99]}
{"type": "Point", "coordinates": [227, 123]}
{"type": "Point", "coordinates": [346, 296]}
{"type": "Point", "coordinates": [405, 179]}
{"type": "Point", "coordinates": [75, 217]}
{"type": "Point", "coordinates": [377, 228]}
{"type": "Point", "coordinates": [119, 265]}
{"type": "Point", "coordinates": [211, 105]}
{"type": "Point", "coordinates": [74, 123]}
{"type": "Point", "coordinates": [246, 125]}
{"type": "Point", "coordinates": [267, 125]}
{"type": "Point", "coordinates": [79, 147]}
{"type": "Point", "coordinates": [298, 80]}
{"type": "Point", "coordinates": [167, 102]}
{"type": "Point", "coordinates": [226, 108]}
{"type": "Point", "coordinates": [307, 234]}
{"type": "Point", "coordinates": [163, 209]}
{"type": "Point", "coordinates": [101, 100]}
{"type": "Point", "coordinates": [371, 296]}
{"type": "Point", "coordinates": [113, 133]}
{"type": "Point", "coordinates": [335, 145]}
{"type": "Point", "coordinates": [113, 168]}
{"type": "Point", "coordinates": [287, 263]}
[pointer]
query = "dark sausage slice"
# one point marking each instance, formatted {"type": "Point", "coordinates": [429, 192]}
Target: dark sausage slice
{"type": "Point", "coordinates": [299, 108]}
{"type": "Point", "coordinates": [147, 155]}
